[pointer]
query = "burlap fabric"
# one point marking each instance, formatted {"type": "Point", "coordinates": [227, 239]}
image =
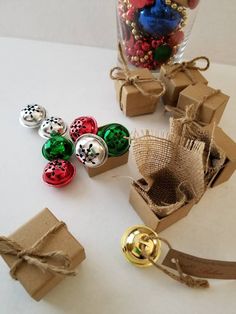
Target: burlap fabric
{"type": "Point", "coordinates": [213, 156]}
{"type": "Point", "coordinates": [172, 172]}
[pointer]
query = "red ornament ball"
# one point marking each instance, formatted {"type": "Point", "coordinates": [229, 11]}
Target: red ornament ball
{"type": "Point", "coordinates": [176, 38]}
{"type": "Point", "coordinates": [193, 4]}
{"type": "Point", "coordinates": [146, 46]}
{"type": "Point", "coordinates": [83, 125]}
{"type": "Point", "coordinates": [58, 173]}
{"type": "Point", "coordinates": [138, 4]}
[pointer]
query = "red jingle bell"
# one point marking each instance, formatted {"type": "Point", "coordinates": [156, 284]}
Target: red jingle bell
{"type": "Point", "coordinates": [58, 173]}
{"type": "Point", "coordinates": [83, 125]}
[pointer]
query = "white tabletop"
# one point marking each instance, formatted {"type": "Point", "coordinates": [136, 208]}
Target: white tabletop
{"type": "Point", "coordinates": [72, 81]}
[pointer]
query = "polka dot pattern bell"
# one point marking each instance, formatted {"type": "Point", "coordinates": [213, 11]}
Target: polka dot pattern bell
{"type": "Point", "coordinates": [82, 125]}
{"type": "Point", "coordinates": [116, 137]}
{"type": "Point", "coordinates": [91, 150]}
{"type": "Point", "coordinates": [58, 173]}
{"type": "Point", "coordinates": [52, 125]}
{"type": "Point", "coordinates": [32, 116]}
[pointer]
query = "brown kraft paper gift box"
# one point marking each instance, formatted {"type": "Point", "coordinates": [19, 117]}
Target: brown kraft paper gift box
{"type": "Point", "coordinates": [111, 163]}
{"type": "Point", "coordinates": [150, 218]}
{"type": "Point", "coordinates": [210, 110]}
{"type": "Point", "coordinates": [132, 101]}
{"type": "Point", "coordinates": [229, 147]}
{"type": "Point", "coordinates": [178, 83]}
{"type": "Point", "coordinates": [36, 282]}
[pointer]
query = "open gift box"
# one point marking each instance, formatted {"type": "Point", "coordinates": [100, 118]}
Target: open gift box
{"type": "Point", "coordinates": [228, 146]}
{"type": "Point", "coordinates": [149, 218]}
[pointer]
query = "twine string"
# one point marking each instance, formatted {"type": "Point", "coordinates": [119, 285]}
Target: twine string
{"type": "Point", "coordinates": [125, 75]}
{"type": "Point", "coordinates": [187, 280]}
{"type": "Point", "coordinates": [33, 256]}
{"type": "Point", "coordinates": [189, 115]}
{"type": "Point", "coordinates": [187, 66]}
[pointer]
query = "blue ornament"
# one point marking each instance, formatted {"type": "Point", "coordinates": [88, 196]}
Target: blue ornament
{"type": "Point", "coordinates": [159, 19]}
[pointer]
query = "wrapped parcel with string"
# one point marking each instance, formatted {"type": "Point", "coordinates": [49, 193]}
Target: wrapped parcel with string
{"type": "Point", "coordinates": [172, 171]}
{"type": "Point", "coordinates": [210, 102]}
{"type": "Point", "coordinates": [178, 76]}
{"type": "Point", "coordinates": [41, 253]}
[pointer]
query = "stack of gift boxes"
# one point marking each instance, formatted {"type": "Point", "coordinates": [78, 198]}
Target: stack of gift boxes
{"type": "Point", "coordinates": [184, 86]}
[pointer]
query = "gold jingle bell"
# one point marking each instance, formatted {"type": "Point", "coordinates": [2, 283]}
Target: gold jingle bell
{"type": "Point", "coordinates": [140, 243]}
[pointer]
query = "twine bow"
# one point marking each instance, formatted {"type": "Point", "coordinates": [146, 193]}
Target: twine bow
{"type": "Point", "coordinates": [189, 115]}
{"type": "Point", "coordinates": [33, 256]}
{"type": "Point", "coordinates": [186, 66]}
{"type": "Point", "coordinates": [125, 75]}
{"type": "Point", "coordinates": [188, 280]}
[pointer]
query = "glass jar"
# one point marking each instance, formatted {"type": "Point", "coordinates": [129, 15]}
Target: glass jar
{"type": "Point", "coordinates": [153, 32]}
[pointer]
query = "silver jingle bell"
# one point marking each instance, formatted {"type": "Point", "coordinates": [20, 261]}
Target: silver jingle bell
{"type": "Point", "coordinates": [52, 125]}
{"type": "Point", "coordinates": [91, 150]}
{"type": "Point", "coordinates": [32, 116]}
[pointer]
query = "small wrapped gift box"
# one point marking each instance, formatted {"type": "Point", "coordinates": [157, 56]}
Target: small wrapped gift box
{"type": "Point", "coordinates": [210, 102]}
{"type": "Point", "coordinates": [42, 254]}
{"type": "Point", "coordinates": [150, 218]}
{"type": "Point", "coordinates": [138, 93]}
{"type": "Point", "coordinates": [176, 78]}
{"type": "Point", "coordinates": [111, 163]}
{"type": "Point", "coordinates": [229, 147]}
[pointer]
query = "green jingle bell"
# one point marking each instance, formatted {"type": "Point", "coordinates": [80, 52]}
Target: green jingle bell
{"type": "Point", "coordinates": [57, 147]}
{"type": "Point", "coordinates": [116, 137]}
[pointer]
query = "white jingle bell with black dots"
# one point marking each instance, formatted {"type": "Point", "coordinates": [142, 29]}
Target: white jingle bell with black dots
{"type": "Point", "coordinates": [91, 150]}
{"type": "Point", "coordinates": [31, 116]}
{"type": "Point", "coordinates": [52, 125]}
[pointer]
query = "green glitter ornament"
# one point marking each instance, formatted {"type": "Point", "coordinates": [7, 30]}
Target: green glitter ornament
{"type": "Point", "coordinates": [162, 53]}
{"type": "Point", "coordinates": [57, 147]}
{"type": "Point", "coordinates": [116, 137]}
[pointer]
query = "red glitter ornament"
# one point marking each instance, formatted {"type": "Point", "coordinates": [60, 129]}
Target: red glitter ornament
{"type": "Point", "coordinates": [193, 4]}
{"type": "Point", "coordinates": [58, 173]}
{"type": "Point", "coordinates": [83, 125]}
{"type": "Point", "coordinates": [176, 38]}
{"type": "Point", "coordinates": [138, 4]}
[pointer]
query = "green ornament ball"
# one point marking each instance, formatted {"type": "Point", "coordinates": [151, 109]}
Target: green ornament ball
{"type": "Point", "coordinates": [57, 147]}
{"type": "Point", "coordinates": [116, 137]}
{"type": "Point", "coordinates": [162, 53]}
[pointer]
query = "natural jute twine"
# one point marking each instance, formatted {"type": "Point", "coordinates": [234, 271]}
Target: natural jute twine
{"type": "Point", "coordinates": [189, 115]}
{"type": "Point", "coordinates": [33, 256]}
{"type": "Point", "coordinates": [125, 75]}
{"type": "Point", "coordinates": [188, 280]}
{"type": "Point", "coordinates": [186, 67]}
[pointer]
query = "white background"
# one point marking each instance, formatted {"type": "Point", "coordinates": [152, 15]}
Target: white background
{"type": "Point", "coordinates": [70, 82]}
{"type": "Point", "coordinates": [93, 23]}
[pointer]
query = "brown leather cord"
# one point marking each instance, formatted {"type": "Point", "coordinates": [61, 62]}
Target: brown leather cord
{"type": "Point", "coordinates": [188, 280]}
{"type": "Point", "coordinates": [186, 66]}
{"type": "Point", "coordinates": [33, 256]}
{"type": "Point", "coordinates": [125, 75]}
